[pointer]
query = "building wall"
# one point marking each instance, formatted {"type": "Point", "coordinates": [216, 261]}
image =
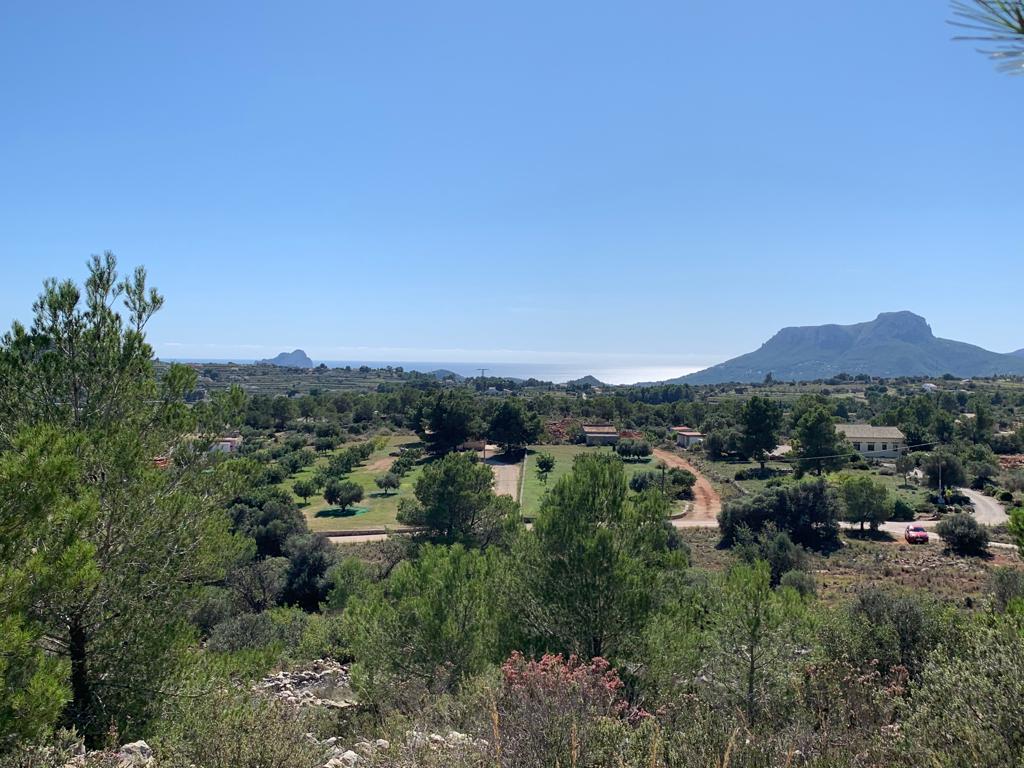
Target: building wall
{"type": "Point", "coordinates": [685, 441]}
{"type": "Point", "coordinates": [602, 439]}
{"type": "Point", "coordinates": [878, 449]}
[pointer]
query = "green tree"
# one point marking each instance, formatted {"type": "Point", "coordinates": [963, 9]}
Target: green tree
{"type": "Point", "coordinates": [545, 466]}
{"type": "Point", "coordinates": [943, 469]}
{"type": "Point", "coordinates": [431, 623]}
{"type": "Point", "coordinates": [905, 464]}
{"type": "Point", "coordinates": [864, 501]}
{"type": "Point", "coordinates": [454, 501]}
{"type": "Point", "coordinates": [41, 510]}
{"type": "Point", "coordinates": [343, 493]}
{"type": "Point", "coordinates": [807, 511]}
{"type": "Point", "coordinates": [153, 536]}
{"type": "Point", "coordinates": [761, 420]}
{"type": "Point", "coordinates": [817, 444]}
{"type": "Point", "coordinates": [451, 417]}
{"type": "Point", "coordinates": [592, 558]}
{"type": "Point", "coordinates": [305, 489]}
{"type": "Point", "coordinates": [387, 482]}
{"type": "Point", "coordinates": [754, 628]}
{"type": "Point", "coordinates": [513, 427]}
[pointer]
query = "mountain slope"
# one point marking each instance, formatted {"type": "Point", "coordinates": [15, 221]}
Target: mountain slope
{"type": "Point", "coordinates": [296, 359]}
{"type": "Point", "coordinates": [1019, 353]}
{"type": "Point", "coordinates": [893, 344]}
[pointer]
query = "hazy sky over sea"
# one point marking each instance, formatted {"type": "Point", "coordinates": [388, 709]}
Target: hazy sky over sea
{"type": "Point", "coordinates": [658, 185]}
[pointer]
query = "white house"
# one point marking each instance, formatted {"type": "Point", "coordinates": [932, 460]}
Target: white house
{"type": "Point", "coordinates": [874, 442]}
{"type": "Point", "coordinates": [687, 437]}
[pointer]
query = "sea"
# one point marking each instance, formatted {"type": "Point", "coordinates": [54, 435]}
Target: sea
{"type": "Point", "coordinates": [553, 372]}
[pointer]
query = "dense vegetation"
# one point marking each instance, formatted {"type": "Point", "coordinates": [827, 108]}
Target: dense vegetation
{"type": "Point", "coordinates": [147, 581]}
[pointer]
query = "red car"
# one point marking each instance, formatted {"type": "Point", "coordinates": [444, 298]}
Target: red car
{"type": "Point", "coordinates": [915, 534]}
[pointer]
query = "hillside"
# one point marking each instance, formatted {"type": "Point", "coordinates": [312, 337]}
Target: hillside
{"type": "Point", "coordinates": [1019, 353]}
{"type": "Point", "coordinates": [586, 381]}
{"type": "Point", "coordinates": [893, 344]}
{"type": "Point", "coordinates": [296, 359]}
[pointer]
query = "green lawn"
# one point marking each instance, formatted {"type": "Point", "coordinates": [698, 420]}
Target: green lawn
{"type": "Point", "coordinates": [376, 509]}
{"type": "Point", "coordinates": [534, 489]}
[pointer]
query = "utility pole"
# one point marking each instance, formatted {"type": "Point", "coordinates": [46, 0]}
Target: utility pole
{"type": "Point", "coordinates": [483, 372]}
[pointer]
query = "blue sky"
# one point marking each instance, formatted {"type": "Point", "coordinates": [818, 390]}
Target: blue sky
{"type": "Point", "coordinates": [662, 183]}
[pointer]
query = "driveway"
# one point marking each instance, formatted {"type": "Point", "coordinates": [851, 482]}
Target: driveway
{"type": "Point", "coordinates": [706, 501]}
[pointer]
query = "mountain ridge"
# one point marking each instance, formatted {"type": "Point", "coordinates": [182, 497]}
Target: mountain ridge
{"type": "Point", "coordinates": [893, 344]}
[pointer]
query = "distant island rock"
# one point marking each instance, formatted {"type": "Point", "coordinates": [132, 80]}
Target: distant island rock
{"type": "Point", "coordinates": [893, 344]}
{"type": "Point", "coordinates": [296, 359]}
{"type": "Point", "coordinates": [444, 373]}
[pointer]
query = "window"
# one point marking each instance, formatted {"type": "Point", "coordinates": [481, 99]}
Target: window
{"type": "Point", "coordinates": [856, 446]}
{"type": "Point", "coordinates": [871, 447]}
{"type": "Point", "coordinates": [885, 446]}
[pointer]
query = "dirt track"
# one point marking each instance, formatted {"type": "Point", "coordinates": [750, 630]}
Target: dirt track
{"type": "Point", "coordinates": [706, 501]}
{"type": "Point", "coordinates": [506, 475]}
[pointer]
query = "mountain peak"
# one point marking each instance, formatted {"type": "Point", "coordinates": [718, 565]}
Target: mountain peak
{"type": "Point", "coordinates": [893, 344]}
{"type": "Point", "coordinates": [904, 326]}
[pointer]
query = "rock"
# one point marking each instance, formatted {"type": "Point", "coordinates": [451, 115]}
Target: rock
{"type": "Point", "coordinates": [383, 744]}
{"type": "Point", "coordinates": [138, 753]}
{"type": "Point", "coordinates": [349, 758]}
{"type": "Point", "coordinates": [364, 748]}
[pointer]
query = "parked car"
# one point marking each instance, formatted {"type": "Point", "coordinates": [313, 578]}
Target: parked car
{"type": "Point", "coordinates": [915, 534]}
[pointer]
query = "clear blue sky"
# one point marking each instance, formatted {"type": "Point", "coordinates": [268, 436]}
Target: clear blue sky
{"type": "Point", "coordinates": [521, 181]}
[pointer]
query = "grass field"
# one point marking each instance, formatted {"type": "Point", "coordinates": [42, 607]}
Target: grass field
{"type": "Point", "coordinates": [725, 471]}
{"type": "Point", "coordinates": [534, 489]}
{"type": "Point", "coordinates": [376, 509]}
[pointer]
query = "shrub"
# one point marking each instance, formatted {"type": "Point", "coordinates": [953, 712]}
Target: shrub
{"type": "Point", "coordinates": [548, 709]}
{"type": "Point", "coordinates": [641, 481]}
{"type": "Point", "coordinates": [229, 728]}
{"type": "Point", "coordinates": [963, 534]}
{"type": "Point", "coordinates": [775, 548]}
{"type": "Point", "coordinates": [902, 511]}
{"type": "Point", "coordinates": [808, 511]}
{"type": "Point", "coordinates": [1006, 496]}
{"type": "Point", "coordinates": [801, 581]}
{"type": "Point", "coordinates": [1006, 585]}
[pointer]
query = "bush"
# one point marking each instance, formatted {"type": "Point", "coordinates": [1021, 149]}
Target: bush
{"type": "Point", "coordinates": [963, 534]}
{"type": "Point", "coordinates": [902, 511]}
{"type": "Point", "coordinates": [229, 728]}
{"type": "Point", "coordinates": [801, 581]}
{"type": "Point", "coordinates": [1006, 585]}
{"type": "Point", "coordinates": [254, 631]}
{"type": "Point", "coordinates": [1005, 496]}
{"type": "Point", "coordinates": [807, 511]}
{"type": "Point", "coordinates": [775, 548]}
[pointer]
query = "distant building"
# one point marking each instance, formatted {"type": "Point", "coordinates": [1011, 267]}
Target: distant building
{"type": "Point", "coordinates": [687, 437]}
{"type": "Point", "coordinates": [600, 434]}
{"type": "Point", "coordinates": [874, 442]}
{"type": "Point", "coordinates": [227, 444]}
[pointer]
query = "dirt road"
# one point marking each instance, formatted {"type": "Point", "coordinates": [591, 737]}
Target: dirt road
{"type": "Point", "coordinates": [506, 477]}
{"type": "Point", "coordinates": [706, 501]}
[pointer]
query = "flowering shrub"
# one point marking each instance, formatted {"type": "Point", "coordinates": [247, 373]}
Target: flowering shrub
{"type": "Point", "coordinates": [550, 711]}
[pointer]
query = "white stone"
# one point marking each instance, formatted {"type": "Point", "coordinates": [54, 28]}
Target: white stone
{"type": "Point", "coordinates": [136, 749]}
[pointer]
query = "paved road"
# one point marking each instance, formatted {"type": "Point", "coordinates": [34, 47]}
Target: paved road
{"type": "Point", "coordinates": [987, 510]}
